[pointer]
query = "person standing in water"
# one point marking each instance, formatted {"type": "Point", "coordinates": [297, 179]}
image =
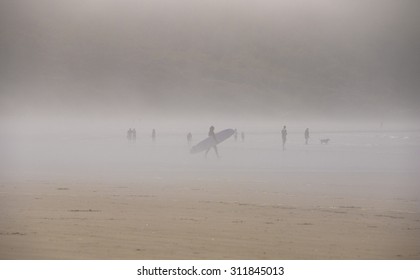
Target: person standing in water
{"type": "Point", "coordinates": [243, 136]}
{"type": "Point", "coordinates": [213, 135]}
{"type": "Point", "coordinates": [134, 134]}
{"type": "Point", "coordinates": [154, 135]}
{"type": "Point", "coordinates": [189, 138]}
{"type": "Point", "coordinates": [284, 136]}
{"type": "Point", "coordinates": [306, 136]}
{"type": "Point", "coordinates": [129, 134]}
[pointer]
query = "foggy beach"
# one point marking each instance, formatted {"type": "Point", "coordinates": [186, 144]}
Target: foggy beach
{"type": "Point", "coordinates": [209, 129]}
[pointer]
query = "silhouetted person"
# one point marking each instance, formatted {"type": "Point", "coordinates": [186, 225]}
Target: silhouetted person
{"type": "Point", "coordinates": [235, 135]}
{"type": "Point", "coordinates": [133, 134]}
{"type": "Point", "coordinates": [189, 138]}
{"type": "Point", "coordinates": [129, 134]}
{"type": "Point", "coordinates": [213, 135]}
{"type": "Point", "coordinates": [284, 136]}
{"type": "Point", "coordinates": [306, 136]}
{"type": "Point", "coordinates": [154, 135]}
{"type": "Point", "coordinates": [243, 136]}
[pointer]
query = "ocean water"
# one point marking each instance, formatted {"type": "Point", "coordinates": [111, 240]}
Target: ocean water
{"type": "Point", "coordinates": [112, 156]}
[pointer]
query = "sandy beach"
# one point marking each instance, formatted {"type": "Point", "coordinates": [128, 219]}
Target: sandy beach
{"type": "Point", "coordinates": [213, 219]}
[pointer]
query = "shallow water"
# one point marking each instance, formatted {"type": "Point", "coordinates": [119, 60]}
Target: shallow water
{"type": "Point", "coordinates": [114, 157]}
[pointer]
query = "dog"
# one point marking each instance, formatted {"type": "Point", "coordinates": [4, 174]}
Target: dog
{"type": "Point", "coordinates": [325, 141]}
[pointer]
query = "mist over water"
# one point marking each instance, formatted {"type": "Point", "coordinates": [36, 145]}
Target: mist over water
{"type": "Point", "coordinates": [346, 60]}
{"type": "Point", "coordinates": [76, 76]}
{"type": "Point", "coordinates": [111, 158]}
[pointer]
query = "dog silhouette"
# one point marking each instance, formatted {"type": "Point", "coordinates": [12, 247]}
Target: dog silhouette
{"type": "Point", "coordinates": [325, 141]}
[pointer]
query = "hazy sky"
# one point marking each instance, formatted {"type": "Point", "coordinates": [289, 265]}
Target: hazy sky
{"type": "Point", "coordinates": [270, 58]}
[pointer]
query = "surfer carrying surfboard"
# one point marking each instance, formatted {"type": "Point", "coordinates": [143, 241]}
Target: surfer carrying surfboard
{"type": "Point", "coordinates": [211, 141]}
{"type": "Point", "coordinates": [213, 136]}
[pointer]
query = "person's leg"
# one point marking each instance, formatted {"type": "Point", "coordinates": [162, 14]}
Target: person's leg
{"type": "Point", "coordinates": [215, 149]}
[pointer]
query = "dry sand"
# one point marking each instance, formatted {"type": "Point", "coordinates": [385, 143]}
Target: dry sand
{"type": "Point", "coordinates": [336, 216]}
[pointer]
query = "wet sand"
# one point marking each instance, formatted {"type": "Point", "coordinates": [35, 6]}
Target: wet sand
{"type": "Point", "coordinates": [335, 216]}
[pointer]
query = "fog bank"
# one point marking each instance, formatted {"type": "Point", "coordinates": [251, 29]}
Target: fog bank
{"type": "Point", "coordinates": [297, 60]}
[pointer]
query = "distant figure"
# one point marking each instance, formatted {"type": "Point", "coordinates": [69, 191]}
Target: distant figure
{"type": "Point", "coordinates": [213, 135]}
{"type": "Point", "coordinates": [129, 134]}
{"type": "Point", "coordinates": [243, 136]}
{"type": "Point", "coordinates": [306, 136]}
{"type": "Point", "coordinates": [235, 135]}
{"type": "Point", "coordinates": [133, 134]}
{"type": "Point", "coordinates": [189, 138]}
{"type": "Point", "coordinates": [284, 136]}
{"type": "Point", "coordinates": [154, 135]}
